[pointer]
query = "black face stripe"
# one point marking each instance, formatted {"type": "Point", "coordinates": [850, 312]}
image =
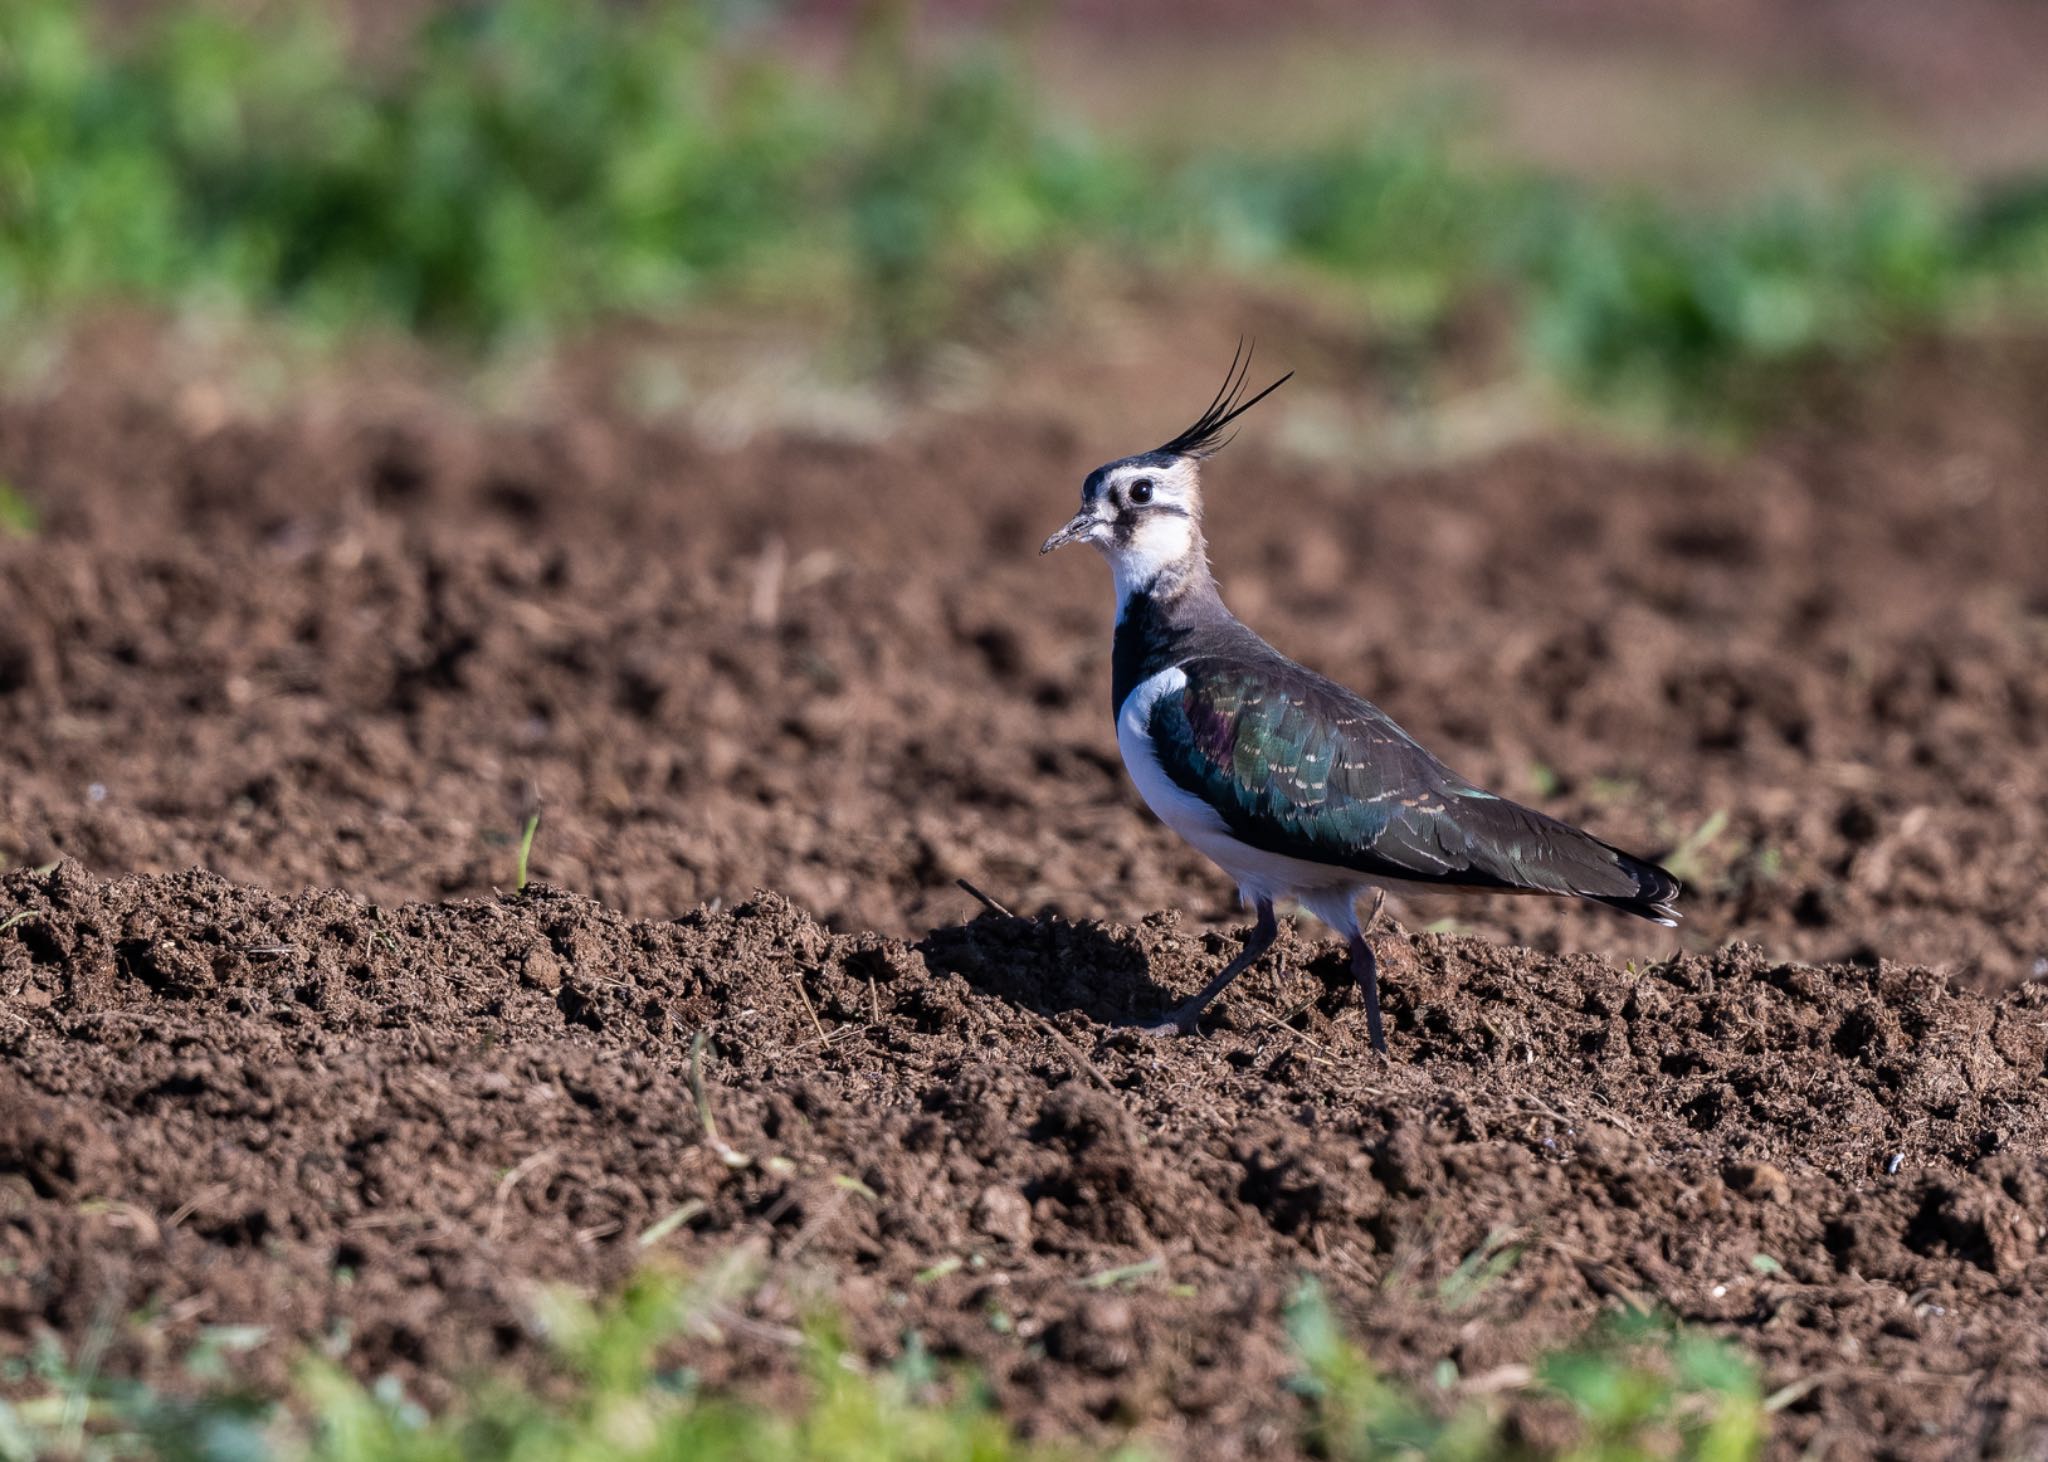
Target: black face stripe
{"type": "Point", "coordinates": [1125, 525]}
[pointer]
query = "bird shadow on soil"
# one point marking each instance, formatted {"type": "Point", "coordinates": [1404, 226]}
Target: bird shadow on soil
{"type": "Point", "coordinates": [1050, 965]}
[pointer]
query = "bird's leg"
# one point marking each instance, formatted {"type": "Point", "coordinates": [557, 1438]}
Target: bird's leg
{"type": "Point", "coordinates": [1183, 1018]}
{"type": "Point", "coordinates": [1365, 970]}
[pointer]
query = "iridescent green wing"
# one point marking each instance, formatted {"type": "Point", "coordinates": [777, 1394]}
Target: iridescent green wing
{"type": "Point", "coordinates": [1294, 764]}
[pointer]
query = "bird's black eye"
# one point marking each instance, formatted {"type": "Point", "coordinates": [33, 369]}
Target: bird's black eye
{"type": "Point", "coordinates": [1141, 490]}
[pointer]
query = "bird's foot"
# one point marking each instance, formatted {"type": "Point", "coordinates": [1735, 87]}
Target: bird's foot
{"type": "Point", "coordinates": [1182, 1020]}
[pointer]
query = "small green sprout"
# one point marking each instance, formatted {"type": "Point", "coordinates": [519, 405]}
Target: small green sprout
{"type": "Point", "coordinates": [18, 516]}
{"type": "Point", "coordinates": [525, 850]}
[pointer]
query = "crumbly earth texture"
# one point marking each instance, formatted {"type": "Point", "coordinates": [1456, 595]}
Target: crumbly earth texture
{"type": "Point", "coordinates": [346, 643]}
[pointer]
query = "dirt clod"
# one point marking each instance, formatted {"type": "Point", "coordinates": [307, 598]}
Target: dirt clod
{"type": "Point", "coordinates": [1761, 1181]}
{"type": "Point", "coordinates": [1003, 1213]}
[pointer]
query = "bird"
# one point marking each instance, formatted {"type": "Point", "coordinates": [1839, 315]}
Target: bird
{"type": "Point", "coordinates": [1297, 788]}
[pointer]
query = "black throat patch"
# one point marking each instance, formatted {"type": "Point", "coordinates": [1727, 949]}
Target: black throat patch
{"type": "Point", "coordinates": [1148, 640]}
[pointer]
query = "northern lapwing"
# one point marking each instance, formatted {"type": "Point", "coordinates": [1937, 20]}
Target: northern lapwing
{"type": "Point", "coordinates": [1295, 787]}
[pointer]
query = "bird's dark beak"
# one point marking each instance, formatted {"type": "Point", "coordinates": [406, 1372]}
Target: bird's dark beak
{"type": "Point", "coordinates": [1078, 530]}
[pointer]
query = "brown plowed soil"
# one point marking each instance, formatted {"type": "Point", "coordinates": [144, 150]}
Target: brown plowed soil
{"type": "Point", "coordinates": [381, 1126]}
{"type": "Point", "coordinates": [342, 645]}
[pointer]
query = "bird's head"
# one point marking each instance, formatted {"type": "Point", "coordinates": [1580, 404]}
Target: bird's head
{"type": "Point", "coordinates": [1144, 513]}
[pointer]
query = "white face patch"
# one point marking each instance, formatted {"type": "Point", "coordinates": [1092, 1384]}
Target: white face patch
{"type": "Point", "coordinates": [1157, 543]}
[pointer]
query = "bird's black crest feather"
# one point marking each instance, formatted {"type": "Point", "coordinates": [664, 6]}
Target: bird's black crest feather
{"type": "Point", "coordinates": [1206, 435]}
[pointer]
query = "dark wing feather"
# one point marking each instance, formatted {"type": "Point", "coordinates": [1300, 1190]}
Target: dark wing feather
{"type": "Point", "coordinates": [1295, 764]}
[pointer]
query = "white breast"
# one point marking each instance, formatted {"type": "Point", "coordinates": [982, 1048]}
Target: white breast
{"type": "Point", "coordinates": [1326, 891]}
{"type": "Point", "coordinates": [1180, 810]}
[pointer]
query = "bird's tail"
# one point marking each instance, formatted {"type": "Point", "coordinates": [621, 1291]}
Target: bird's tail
{"type": "Point", "coordinates": [1656, 894]}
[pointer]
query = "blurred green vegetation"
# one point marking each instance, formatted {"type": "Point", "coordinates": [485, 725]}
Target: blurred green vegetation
{"type": "Point", "coordinates": [532, 164]}
{"type": "Point", "coordinates": [618, 1389]}
{"type": "Point", "coordinates": [18, 516]}
{"type": "Point", "coordinates": [1636, 1388]}
{"type": "Point", "coordinates": [614, 1396]}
